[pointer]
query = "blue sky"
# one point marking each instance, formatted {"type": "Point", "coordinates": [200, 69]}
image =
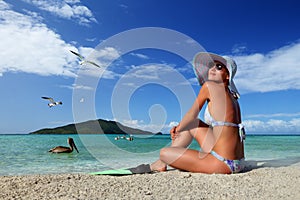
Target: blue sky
{"type": "Point", "coordinates": [144, 85]}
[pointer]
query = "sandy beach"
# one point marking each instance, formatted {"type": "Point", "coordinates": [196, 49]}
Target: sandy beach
{"type": "Point", "coordinates": [259, 183]}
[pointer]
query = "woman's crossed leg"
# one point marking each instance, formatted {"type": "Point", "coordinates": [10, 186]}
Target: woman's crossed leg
{"type": "Point", "coordinates": [180, 157]}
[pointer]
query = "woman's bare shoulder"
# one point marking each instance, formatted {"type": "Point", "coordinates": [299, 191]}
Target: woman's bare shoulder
{"type": "Point", "coordinates": [210, 84]}
{"type": "Point", "coordinates": [214, 88]}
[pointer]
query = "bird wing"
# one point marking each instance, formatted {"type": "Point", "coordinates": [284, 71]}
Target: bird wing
{"type": "Point", "coordinates": [92, 63]}
{"type": "Point", "coordinates": [82, 58]}
{"type": "Point", "coordinates": [77, 54]}
{"type": "Point", "coordinates": [49, 98]}
{"type": "Point", "coordinates": [60, 149]}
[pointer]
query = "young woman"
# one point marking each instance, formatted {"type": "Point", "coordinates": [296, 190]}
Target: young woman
{"type": "Point", "coordinates": [221, 135]}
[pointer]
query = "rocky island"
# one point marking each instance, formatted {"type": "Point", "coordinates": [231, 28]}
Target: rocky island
{"type": "Point", "coordinates": [99, 126]}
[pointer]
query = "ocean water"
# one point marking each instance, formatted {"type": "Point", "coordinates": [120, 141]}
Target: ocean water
{"type": "Point", "coordinates": [28, 154]}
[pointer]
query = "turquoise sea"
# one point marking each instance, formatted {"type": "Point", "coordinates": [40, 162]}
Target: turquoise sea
{"type": "Point", "coordinates": [28, 154]}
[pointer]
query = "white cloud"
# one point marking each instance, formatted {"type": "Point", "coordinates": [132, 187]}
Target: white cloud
{"type": "Point", "coordinates": [295, 122]}
{"type": "Point", "coordinates": [149, 72]}
{"type": "Point", "coordinates": [273, 115]}
{"type": "Point", "coordinates": [91, 39]}
{"type": "Point", "coordinates": [172, 124]}
{"type": "Point", "coordinates": [162, 74]}
{"type": "Point", "coordinates": [77, 87]}
{"type": "Point", "coordinates": [274, 71]}
{"type": "Point", "coordinates": [158, 73]}
{"type": "Point", "coordinates": [140, 55]}
{"type": "Point", "coordinates": [107, 54]}
{"type": "Point", "coordinates": [251, 126]}
{"type": "Point", "coordinates": [273, 126]}
{"type": "Point", "coordinates": [152, 127]}
{"type": "Point", "coordinates": [66, 9]}
{"type": "Point", "coordinates": [239, 49]}
{"type": "Point", "coordinates": [132, 123]}
{"type": "Point", "coordinates": [194, 81]}
{"type": "Point", "coordinates": [102, 57]}
{"type": "Point", "coordinates": [31, 47]}
{"type": "Point", "coordinates": [140, 124]}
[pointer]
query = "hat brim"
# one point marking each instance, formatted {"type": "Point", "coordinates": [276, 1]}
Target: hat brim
{"type": "Point", "coordinates": [201, 64]}
{"type": "Point", "coordinates": [201, 67]}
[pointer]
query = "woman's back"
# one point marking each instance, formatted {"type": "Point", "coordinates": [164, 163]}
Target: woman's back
{"type": "Point", "coordinates": [224, 108]}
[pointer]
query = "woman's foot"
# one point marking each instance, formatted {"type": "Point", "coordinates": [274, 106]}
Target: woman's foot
{"type": "Point", "coordinates": [159, 166]}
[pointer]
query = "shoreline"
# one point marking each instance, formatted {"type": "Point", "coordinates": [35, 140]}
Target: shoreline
{"type": "Point", "coordinates": [256, 183]}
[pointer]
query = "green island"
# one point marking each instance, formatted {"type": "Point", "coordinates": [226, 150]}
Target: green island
{"type": "Point", "coordinates": [99, 126]}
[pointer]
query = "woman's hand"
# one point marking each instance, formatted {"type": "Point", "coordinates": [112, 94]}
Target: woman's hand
{"type": "Point", "coordinates": [174, 133]}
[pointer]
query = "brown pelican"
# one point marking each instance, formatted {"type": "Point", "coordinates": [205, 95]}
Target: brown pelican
{"type": "Point", "coordinates": [83, 60]}
{"type": "Point", "coordinates": [61, 149]}
{"type": "Point", "coordinates": [52, 102]}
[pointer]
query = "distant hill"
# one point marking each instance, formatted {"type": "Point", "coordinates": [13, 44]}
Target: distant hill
{"type": "Point", "coordinates": [92, 127]}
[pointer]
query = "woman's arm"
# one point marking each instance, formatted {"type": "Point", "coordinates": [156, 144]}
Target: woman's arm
{"type": "Point", "coordinates": [189, 120]}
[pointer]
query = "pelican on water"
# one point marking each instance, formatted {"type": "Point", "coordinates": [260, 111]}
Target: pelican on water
{"type": "Point", "coordinates": [83, 60]}
{"type": "Point", "coordinates": [52, 102]}
{"type": "Point", "coordinates": [62, 149]}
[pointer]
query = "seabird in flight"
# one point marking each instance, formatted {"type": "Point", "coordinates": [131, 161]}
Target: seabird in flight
{"type": "Point", "coordinates": [52, 102]}
{"type": "Point", "coordinates": [83, 60]}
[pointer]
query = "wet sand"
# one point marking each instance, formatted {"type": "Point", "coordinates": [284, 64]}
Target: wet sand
{"type": "Point", "coordinates": [258, 183]}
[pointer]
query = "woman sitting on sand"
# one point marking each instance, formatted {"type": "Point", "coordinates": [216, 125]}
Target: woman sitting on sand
{"type": "Point", "coordinates": [221, 135]}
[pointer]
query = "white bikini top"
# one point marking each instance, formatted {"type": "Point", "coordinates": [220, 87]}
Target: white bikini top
{"type": "Point", "coordinates": [212, 122]}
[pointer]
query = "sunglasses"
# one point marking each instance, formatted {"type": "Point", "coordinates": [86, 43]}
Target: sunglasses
{"type": "Point", "coordinates": [219, 66]}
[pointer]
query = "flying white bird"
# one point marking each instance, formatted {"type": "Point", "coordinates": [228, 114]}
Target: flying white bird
{"type": "Point", "coordinates": [83, 60]}
{"type": "Point", "coordinates": [52, 102]}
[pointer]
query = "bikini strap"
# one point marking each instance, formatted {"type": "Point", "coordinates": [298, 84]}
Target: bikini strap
{"type": "Point", "coordinates": [221, 123]}
{"type": "Point", "coordinates": [241, 127]}
{"type": "Point", "coordinates": [213, 123]}
{"type": "Point", "coordinates": [217, 156]}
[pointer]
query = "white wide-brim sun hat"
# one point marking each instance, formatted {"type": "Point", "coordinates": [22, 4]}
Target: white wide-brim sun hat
{"type": "Point", "coordinates": [201, 67]}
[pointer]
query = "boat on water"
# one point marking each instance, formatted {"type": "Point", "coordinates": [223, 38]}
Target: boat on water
{"type": "Point", "coordinates": [129, 138]}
